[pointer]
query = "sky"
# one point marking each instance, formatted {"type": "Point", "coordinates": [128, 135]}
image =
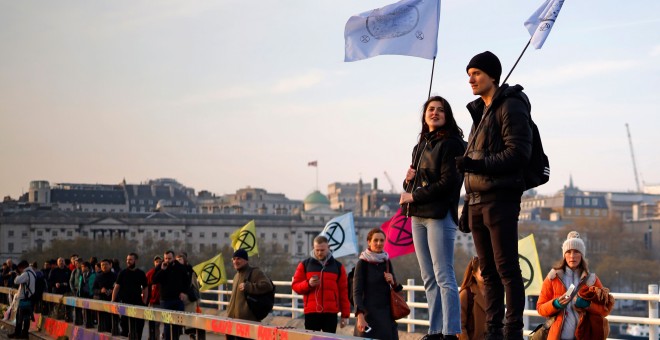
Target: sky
{"type": "Point", "coordinates": [222, 95]}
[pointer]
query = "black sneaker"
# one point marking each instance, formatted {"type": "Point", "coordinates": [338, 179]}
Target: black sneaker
{"type": "Point", "coordinates": [436, 336]}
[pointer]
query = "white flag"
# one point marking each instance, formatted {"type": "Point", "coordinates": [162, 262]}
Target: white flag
{"type": "Point", "coordinates": [408, 27]}
{"type": "Point", "coordinates": [541, 22]}
{"type": "Point", "coordinates": [340, 232]}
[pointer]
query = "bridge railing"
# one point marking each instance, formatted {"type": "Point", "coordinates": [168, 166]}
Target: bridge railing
{"type": "Point", "coordinates": [292, 303]}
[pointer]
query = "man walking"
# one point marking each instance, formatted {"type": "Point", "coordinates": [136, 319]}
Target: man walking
{"type": "Point", "coordinates": [499, 147]}
{"type": "Point", "coordinates": [258, 283]}
{"type": "Point", "coordinates": [27, 285]}
{"type": "Point", "coordinates": [103, 288]}
{"type": "Point", "coordinates": [173, 281]}
{"type": "Point", "coordinates": [323, 282]}
{"type": "Point", "coordinates": [131, 288]}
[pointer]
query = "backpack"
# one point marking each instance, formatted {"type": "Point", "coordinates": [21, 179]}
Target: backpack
{"type": "Point", "coordinates": [40, 287]}
{"type": "Point", "coordinates": [260, 304]}
{"type": "Point", "coordinates": [537, 171]}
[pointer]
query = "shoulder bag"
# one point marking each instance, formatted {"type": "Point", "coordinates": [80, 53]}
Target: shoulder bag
{"type": "Point", "coordinates": [398, 306]}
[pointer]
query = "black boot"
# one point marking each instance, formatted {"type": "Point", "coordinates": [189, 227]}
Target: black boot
{"type": "Point", "coordinates": [513, 334]}
{"type": "Point", "coordinates": [494, 334]}
{"type": "Point", "coordinates": [436, 336]}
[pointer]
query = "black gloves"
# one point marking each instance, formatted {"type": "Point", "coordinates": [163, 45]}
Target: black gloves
{"type": "Point", "coordinates": [467, 164]}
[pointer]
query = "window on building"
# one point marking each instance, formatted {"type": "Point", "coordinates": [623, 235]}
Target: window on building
{"type": "Point", "coordinates": [263, 236]}
{"type": "Point", "coordinates": [85, 234]}
{"type": "Point", "coordinates": [10, 233]}
{"type": "Point", "coordinates": [274, 236]}
{"type": "Point", "coordinates": [176, 234]}
{"type": "Point", "coordinates": [214, 234]}
{"type": "Point", "coordinates": [214, 247]}
{"type": "Point", "coordinates": [201, 235]}
{"type": "Point", "coordinates": [286, 248]}
{"type": "Point", "coordinates": [577, 212]}
{"type": "Point", "coordinates": [10, 247]}
{"type": "Point", "coordinates": [226, 235]}
{"type": "Point", "coordinates": [69, 233]}
{"type": "Point", "coordinates": [40, 233]}
{"type": "Point", "coordinates": [578, 201]}
{"type": "Point", "coordinates": [594, 201]}
{"type": "Point", "coordinates": [133, 234]}
{"type": "Point", "coordinates": [201, 247]}
{"type": "Point", "coordinates": [587, 212]}
{"type": "Point", "coordinates": [286, 236]}
{"type": "Point", "coordinates": [54, 233]}
{"type": "Point", "coordinates": [162, 234]}
{"type": "Point", "coordinates": [596, 212]}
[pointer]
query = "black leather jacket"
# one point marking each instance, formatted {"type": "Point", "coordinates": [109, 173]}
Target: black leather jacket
{"type": "Point", "coordinates": [503, 139]}
{"type": "Point", "coordinates": [437, 185]}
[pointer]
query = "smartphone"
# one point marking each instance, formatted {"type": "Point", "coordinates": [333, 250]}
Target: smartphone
{"type": "Point", "coordinates": [570, 291]}
{"type": "Point", "coordinates": [367, 329]}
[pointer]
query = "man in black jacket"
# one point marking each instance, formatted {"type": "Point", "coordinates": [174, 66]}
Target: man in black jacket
{"type": "Point", "coordinates": [103, 287]}
{"type": "Point", "coordinates": [499, 147]}
{"type": "Point", "coordinates": [174, 283]}
{"type": "Point", "coordinates": [131, 288]}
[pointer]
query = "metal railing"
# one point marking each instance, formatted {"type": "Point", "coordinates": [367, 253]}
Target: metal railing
{"type": "Point", "coordinates": [295, 308]}
{"type": "Point", "coordinates": [256, 330]}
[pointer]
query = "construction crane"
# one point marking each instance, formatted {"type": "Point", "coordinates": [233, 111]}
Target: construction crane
{"type": "Point", "coordinates": [392, 190]}
{"type": "Point", "coordinates": [632, 154]}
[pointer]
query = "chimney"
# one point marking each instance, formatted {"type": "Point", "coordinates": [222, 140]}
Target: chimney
{"type": "Point", "coordinates": [375, 184]}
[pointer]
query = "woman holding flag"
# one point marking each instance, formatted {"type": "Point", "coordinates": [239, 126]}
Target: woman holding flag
{"type": "Point", "coordinates": [432, 192]}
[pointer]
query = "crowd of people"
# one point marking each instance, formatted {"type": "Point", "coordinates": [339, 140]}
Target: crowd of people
{"type": "Point", "coordinates": [169, 284]}
{"type": "Point", "coordinates": [491, 300]}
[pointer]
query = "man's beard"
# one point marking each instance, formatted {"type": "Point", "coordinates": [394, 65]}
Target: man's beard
{"type": "Point", "coordinates": [131, 266]}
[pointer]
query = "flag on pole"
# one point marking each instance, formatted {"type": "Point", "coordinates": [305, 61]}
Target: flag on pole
{"type": "Point", "coordinates": [246, 238]}
{"type": "Point", "coordinates": [542, 21]}
{"type": "Point", "coordinates": [313, 163]}
{"type": "Point", "coordinates": [211, 273]}
{"type": "Point", "coordinates": [398, 235]}
{"type": "Point", "coordinates": [340, 232]}
{"type": "Point", "coordinates": [408, 27]}
{"type": "Point", "coordinates": [530, 265]}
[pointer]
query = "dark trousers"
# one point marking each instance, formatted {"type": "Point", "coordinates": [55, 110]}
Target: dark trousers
{"type": "Point", "coordinates": [172, 332]}
{"type": "Point", "coordinates": [495, 235]}
{"type": "Point", "coordinates": [23, 316]}
{"type": "Point", "coordinates": [78, 316]}
{"type": "Point", "coordinates": [326, 322]}
{"type": "Point", "coordinates": [154, 326]}
{"type": "Point", "coordinates": [131, 327]}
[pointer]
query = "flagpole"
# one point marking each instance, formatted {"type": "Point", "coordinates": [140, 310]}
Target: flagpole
{"type": "Point", "coordinates": [432, 70]}
{"type": "Point", "coordinates": [514, 65]}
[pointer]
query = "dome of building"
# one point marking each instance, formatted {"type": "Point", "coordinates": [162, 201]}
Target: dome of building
{"type": "Point", "coordinates": [316, 198]}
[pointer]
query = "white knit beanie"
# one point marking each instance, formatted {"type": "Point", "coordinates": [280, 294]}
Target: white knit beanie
{"type": "Point", "coordinates": [573, 241]}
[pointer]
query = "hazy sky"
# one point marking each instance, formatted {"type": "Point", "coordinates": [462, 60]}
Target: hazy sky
{"type": "Point", "coordinates": [225, 94]}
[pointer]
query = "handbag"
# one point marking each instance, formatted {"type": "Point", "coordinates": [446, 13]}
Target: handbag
{"type": "Point", "coordinates": [464, 220]}
{"type": "Point", "coordinates": [398, 306]}
{"type": "Point", "coordinates": [541, 331]}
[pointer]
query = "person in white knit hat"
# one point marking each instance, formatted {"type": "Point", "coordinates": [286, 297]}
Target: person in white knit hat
{"type": "Point", "coordinates": [556, 301]}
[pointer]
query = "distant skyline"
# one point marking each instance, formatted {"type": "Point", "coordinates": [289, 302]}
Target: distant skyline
{"type": "Point", "coordinates": [222, 95]}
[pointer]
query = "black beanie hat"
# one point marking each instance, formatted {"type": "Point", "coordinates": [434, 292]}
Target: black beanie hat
{"type": "Point", "coordinates": [241, 253]}
{"type": "Point", "coordinates": [487, 62]}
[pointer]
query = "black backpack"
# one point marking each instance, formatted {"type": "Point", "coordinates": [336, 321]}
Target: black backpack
{"type": "Point", "coordinates": [260, 304]}
{"type": "Point", "coordinates": [40, 287]}
{"type": "Point", "coordinates": [537, 171]}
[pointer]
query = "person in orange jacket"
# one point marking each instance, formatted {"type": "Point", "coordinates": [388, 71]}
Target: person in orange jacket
{"type": "Point", "coordinates": [572, 313]}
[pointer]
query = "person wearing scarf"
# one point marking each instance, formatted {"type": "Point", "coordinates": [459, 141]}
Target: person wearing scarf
{"type": "Point", "coordinates": [371, 290]}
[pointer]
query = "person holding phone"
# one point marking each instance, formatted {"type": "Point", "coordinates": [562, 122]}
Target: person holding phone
{"type": "Point", "coordinates": [323, 282]}
{"type": "Point", "coordinates": [575, 312]}
{"type": "Point", "coordinates": [372, 281]}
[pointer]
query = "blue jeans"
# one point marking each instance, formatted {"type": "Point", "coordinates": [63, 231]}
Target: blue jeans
{"type": "Point", "coordinates": [434, 246]}
{"type": "Point", "coordinates": [172, 332]}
